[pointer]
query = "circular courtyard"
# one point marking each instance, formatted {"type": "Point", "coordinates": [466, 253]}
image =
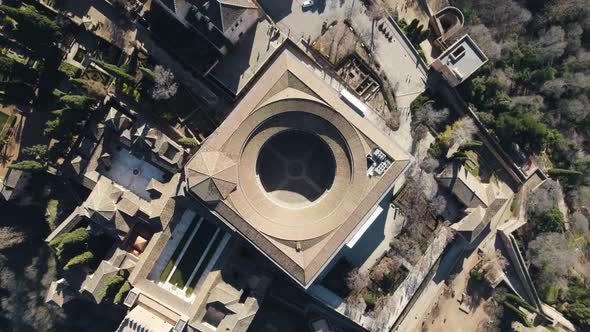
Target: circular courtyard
{"type": "Point", "coordinates": [296, 167]}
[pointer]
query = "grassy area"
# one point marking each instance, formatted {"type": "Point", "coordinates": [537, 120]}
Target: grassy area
{"type": "Point", "coordinates": [193, 252]}
{"type": "Point", "coordinates": [3, 118]}
{"type": "Point", "coordinates": [514, 202]}
{"type": "Point", "coordinates": [51, 212]}
{"type": "Point", "coordinates": [472, 168]}
{"type": "Point", "coordinates": [551, 294]}
{"type": "Point", "coordinates": [203, 266]}
{"type": "Point", "coordinates": [177, 252]}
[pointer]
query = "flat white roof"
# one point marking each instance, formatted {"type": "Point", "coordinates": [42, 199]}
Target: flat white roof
{"type": "Point", "coordinates": [365, 226]}
{"type": "Point", "coordinates": [356, 103]}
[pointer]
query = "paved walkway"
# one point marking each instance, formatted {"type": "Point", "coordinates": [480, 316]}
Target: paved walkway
{"type": "Point", "coordinates": [398, 63]}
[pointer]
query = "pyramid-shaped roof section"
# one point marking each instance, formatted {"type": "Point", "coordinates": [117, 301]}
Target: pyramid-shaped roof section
{"type": "Point", "coordinates": [213, 176]}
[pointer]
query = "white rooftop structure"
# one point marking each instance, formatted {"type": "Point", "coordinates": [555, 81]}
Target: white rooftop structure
{"type": "Point", "coordinates": [460, 60]}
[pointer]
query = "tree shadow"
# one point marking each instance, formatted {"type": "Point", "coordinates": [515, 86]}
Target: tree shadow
{"type": "Point", "coordinates": [478, 292]}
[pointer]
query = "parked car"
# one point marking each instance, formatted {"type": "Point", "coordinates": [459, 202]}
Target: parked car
{"type": "Point", "coordinates": [307, 4]}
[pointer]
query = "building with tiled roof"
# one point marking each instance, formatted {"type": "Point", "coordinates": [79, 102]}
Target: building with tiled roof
{"type": "Point", "coordinates": [466, 187]}
{"type": "Point", "coordinates": [220, 22]}
{"type": "Point", "coordinates": [295, 169]}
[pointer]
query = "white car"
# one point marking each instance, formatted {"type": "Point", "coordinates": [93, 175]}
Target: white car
{"type": "Point", "coordinates": [307, 3]}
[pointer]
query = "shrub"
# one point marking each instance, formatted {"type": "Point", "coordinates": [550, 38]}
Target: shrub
{"type": "Point", "coordinates": [76, 102]}
{"type": "Point", "coordinates": [549, 221]}
{"type": "Point", "coordinates": [122, 293]}
{"type": "Point", "coordinates": [71, 244]}
{"type": "Point", "coordinates": [94, 89]}
{"type": "Point", "coordinates": [438, 149]}
{"type": "Point", "coordinates": [148, 73]}
{"type": "Point", "coordinates": [563, 172]}
{"type": "Point", "coordinates": [518, 300]}
{"type": "Point", "coordinates": [188, 142]}
{"type": "Point", "coordinates": [82, 259]}
{"type": "Point", "coordinates": [476, 274]}
{"type": "Point", "coordinates": [488, 119]}
{"type": "Point", "coordinates": [167, 116]}
{"type": "Point", "coordinates": [459, 155]}
{"type": "Point", "coordinates": [513, 203]}
{"type": "Point", "coordinates": [27, 165]}
{"type": "Point", "coordinates": [116, 71]}
{"type": "Point", "coordinates": [420, 102]}
{"type": "Point", "coordinates": [69, 70]}
{"type": "Point", "coordinates": [57, 93]}
{"type": "Point", "coordinates": [370, 299]}
{"type": "Point", "coordinates": [112, 286]}
{"type": "Point", "coordinates": [521, 316]}
{"type": "Point", "coordinates": [470, 145]}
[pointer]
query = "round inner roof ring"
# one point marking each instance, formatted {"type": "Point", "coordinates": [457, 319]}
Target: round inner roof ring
{"type": "Point", "coordinates": [295, 168]}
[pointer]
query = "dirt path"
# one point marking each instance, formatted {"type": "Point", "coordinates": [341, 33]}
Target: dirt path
{"type": "Point", "coordinates": [10, 151]}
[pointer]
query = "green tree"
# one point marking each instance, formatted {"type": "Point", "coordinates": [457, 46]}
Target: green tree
{"type": "Point", "coordinates": [122, 293]}
{"type": "Point", "coordinates": [77, 261]}
{"type": "Point", "coordinates": [549, 221]}
{"type": "Point", "coordinates": [578, 297]}
{"type": "Point", "coordinates": [188, 142]}
{"type": "Point", "coordinates": [38, 151]}
{"type": "Point", "coordinates": [15, 70]}
{"type": "Point", "coordinates": [118, 72]}
{"type": "Point", "coordinates": [52, 127]}
{"type": "Point", "coordinates": [148, 73]}
{"type": "Point", "coordinates": [33, 29]}
{"type": "Point", "coordinates": [111, 287]}
{"type": "Point", "coordinates": [76, 102]}
{"type": "Point", "coordinates": [523, 57]}
{"type": "Point", "coordinates": [523, 129]}
{"type": "Point", "coordinates": [71, 244]}
{"type": "Point", "coordinates": [27, 165]}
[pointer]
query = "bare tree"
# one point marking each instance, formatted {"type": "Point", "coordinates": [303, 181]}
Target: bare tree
{"type": "Point", "coordinates": [165, 86]}
{"type": "Point", "coordinates": [580, 196]}
{"type": "Point", "coordinates": [545, 197]}
{"type": "Point", "coordinates": [575, 109]}
{"type": "Point", "coordinates": [574, 33]}
{"type": "Point", "coordinates": [554, 88]}
{"type": "Point", "coordinates": [429, 164]}
{"type": "Point", "coordinates": [550, 253]}
{"type": "Point", "coordinates": [438, 205]}
{"type": "Point", "coordinates": [529, 104]}
{"type": "Point", "coordinates": [408, 249]}
{"type": "Point", "coordinates": [493, 265]}
{"type": "Point", "coordinates": [392, 119]}
{"type": "Point", "coordinates": [11, 237]}
{"type": "Point", "coordinates": [502, 16]}
{"type": "Point", "coordinates": [429, 116]}
{"type": "Point", "coordinates": [386, 265]}
{"type": "Point", "coordinates": [579, 222]}
{"type": "Point", "coordinates": [551, 43]}
{"type": "Point", "coordinates": [483, 36]}
{"type": "Point", "coordinates": [465, 129]}
{"type": "Point", "coordinates": [568, 10]}
{"type": "Point", "coordinates": [357, 280]}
